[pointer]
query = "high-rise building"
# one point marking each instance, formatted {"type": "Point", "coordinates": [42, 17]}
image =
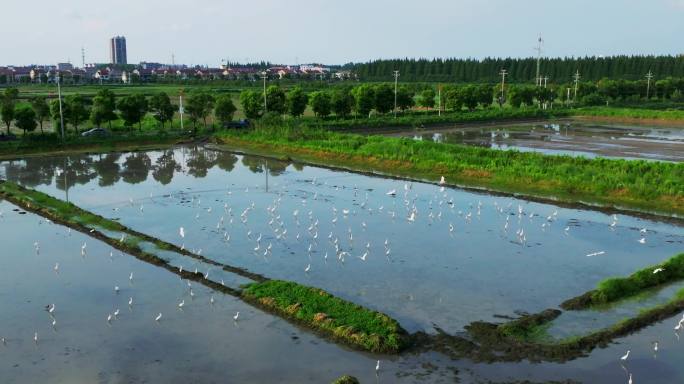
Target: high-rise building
{"type": "Point", "coordinates": [117, 50]}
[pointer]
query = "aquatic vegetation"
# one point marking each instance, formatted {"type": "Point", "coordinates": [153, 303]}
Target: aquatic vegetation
{"type": "Point", "coordinates": [346, 379]}
{"type": "Point", "coordinates": [631, 184]}
{"type": "Point", "coordinates": [617, 288]}
{"type": "Point", "coordinates": [340, 319]}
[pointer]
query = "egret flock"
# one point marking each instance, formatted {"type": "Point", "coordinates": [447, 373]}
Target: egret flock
{"type": "Point", "coordinates": [319, 226]}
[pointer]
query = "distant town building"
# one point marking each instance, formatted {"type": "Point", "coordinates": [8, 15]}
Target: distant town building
{"type": "Point", "coordinates": [117, 50]}
{"type": "Point", "coordinates": [65, 66]}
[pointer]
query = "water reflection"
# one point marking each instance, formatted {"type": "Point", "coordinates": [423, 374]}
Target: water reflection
{"type": "Point", "coordinates": [566, 137]}
{"type": "Point", "coordinates": [131, 168]}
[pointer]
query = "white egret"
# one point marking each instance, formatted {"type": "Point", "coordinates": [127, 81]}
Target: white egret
{"type": "Point", "coordinates": [109, 318]}
{"type": "Point", "coordinates": [626, 356]}
{"type": "Point", "coordinates": [308, 268]}
{"type": "Point", "coordinates": [116, 313]}
{"type": "Point", "coordinates": [393, 192]}
{"type": "Point", "coordinates": [642, 240]}
{"type": "Point", "coordinates": [181, 232]}
{"type": "Point", "coordinates": [377, 366]}
{"type": "Point", "coordinates": [35, 337]}
{"type": "Point", "coordinates": [658, 270]}
{"type": "Point", "coordinates": [237, 315]}
{"type": "Point", "coordinates": [442, 181]}
{"type": "Point", "coordinates": [159, 316]}
{"type": "Point", "coordinates": [116, 289]}
{"type": "Point", "coordinates": [130, 301]}
{"type": "Point", "coordinates": [181, 304]}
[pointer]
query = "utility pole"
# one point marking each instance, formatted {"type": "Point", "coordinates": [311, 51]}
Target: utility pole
{"type": "Point", "coordinates": [396, 80]}
{"type": "Point", "coordinates": [439, 100]}
{"type": "Point", "coordinates": [180, 109]}
{"type": "Point", "coordinates": [546, 78]}
{"type": "Point", "coordinates": [83, 56]}
{"type": "Point", "coordinates": [503, 74]}
{"type": "Point", "coordinates": [577, 79]}
{"type": "Point", "coordinates": [649, 77]}
{"type": "Point", "coordinates": [540, 42]}
{"type": "Point", "coordinates": [59, 95]}
{"type": "Point", "coordinates": [264, 76]}
{"type": "Point", "coordinates": [567, 98]}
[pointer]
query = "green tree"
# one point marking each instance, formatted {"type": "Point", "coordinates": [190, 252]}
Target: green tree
{"type": "Point", "coordinates": [451, 98]}
{"type": "Point", "coordinates": [161, 108]}
{"type": "Point", "coordinates": [41, 108]}
{"type": "Point", "coordinates": [198, 107]}
{"type": "Point", "coordinates": [364, 99]}
{"type": "Point", "coordinates": [224, 109]}
{"type": "Point", "coordinates": [276, 100]}
{"type": "Point", "coordinates": [8, 106]}
{"type": "Point", "coordinates": [521, 94]}
{"type": "Point", "coordinates": [296, 102]}
{"type": "Point", "coordinates": [54, 113]}
{"type": "Point", "coordinates": [384, 98]}
{"type": "Point", "coordinates": [132, 109]}
{"type": "Point", "coordinates": [468, 96]}
{"type": "Point", "coordinates": [25, 119]}
{"type": "Point", "coordinates": [427, 98]}
{"type": "Point", "coordinates": [104, 106]}
{"type": "Point", "coordinates": [76, 111]}
{"type": "Point", "coordinates": [485, 95]}
{"type": "Point", "coordinates": [252, 103]}
{"type": "Point", "coordinates": [342, 102]}
{"type": "Point", "coordinates": [321, 103]}
{"type": "Point", "coordinates": [405, 98]}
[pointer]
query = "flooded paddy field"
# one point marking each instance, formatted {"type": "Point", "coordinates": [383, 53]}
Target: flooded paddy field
{"type": "Point", "coordinates": [567, 137]}
{"type": "Point", "coordinates": [430, 257]}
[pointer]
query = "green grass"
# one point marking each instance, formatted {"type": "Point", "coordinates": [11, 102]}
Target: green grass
{"type": "Point", "coordinates": [340, 319]}
{"type": "Point", "coordinates": [618, 288]}
{"type": "Point", "coordinates": [633, 184]}
{"type": "Point", "coordinates": [632, 113]}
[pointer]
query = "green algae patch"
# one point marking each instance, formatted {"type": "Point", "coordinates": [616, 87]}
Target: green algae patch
{"type": "Point", "coordinates": [338, 319]}
{"type": "Point", "coordinates": [617, 288]}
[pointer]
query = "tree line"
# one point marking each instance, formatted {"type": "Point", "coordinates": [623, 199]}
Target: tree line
{"type": "Point", "coordinates": [341, 101]}
{"type": "Point", "coordinates": [520, 69]}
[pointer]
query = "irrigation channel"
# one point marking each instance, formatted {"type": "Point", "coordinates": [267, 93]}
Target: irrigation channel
{"type": "Point", "coordinates": [435, 259]}
{"type": "Point", "coordinates": [565, 137]}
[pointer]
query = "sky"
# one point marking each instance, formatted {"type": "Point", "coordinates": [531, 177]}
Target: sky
{"type": "Point", "coordinates": [205, 32]}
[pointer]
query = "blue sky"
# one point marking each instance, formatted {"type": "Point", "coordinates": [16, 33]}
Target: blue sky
{"type": "Point", "coordinates": [205, 32]}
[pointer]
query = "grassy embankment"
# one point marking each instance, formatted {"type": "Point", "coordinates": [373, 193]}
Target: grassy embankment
{"type": "Point", "coordinates": [319, 310]}
{"type": "Point", "coordinates": [338, 319]}
{"type": "Point", "coordinates": [630, 113]}
{"type": "Point", "coordinates": [617, 288]}
{"type": "Point", "coordinates": [635, 185]}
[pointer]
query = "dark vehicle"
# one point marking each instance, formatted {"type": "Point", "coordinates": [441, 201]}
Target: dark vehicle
{"type": "Point", "coordinates": [95, 132]}
{"type": "Point", "coordinates": [9, 137]}
{"type": "Point", "coordinates": [244, 123]}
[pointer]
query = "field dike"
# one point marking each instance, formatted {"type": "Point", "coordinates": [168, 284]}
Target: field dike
{"type": "Point", "coordinates": [312, 308]}
{"type": "Point", "coordinates": [344, 322]}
